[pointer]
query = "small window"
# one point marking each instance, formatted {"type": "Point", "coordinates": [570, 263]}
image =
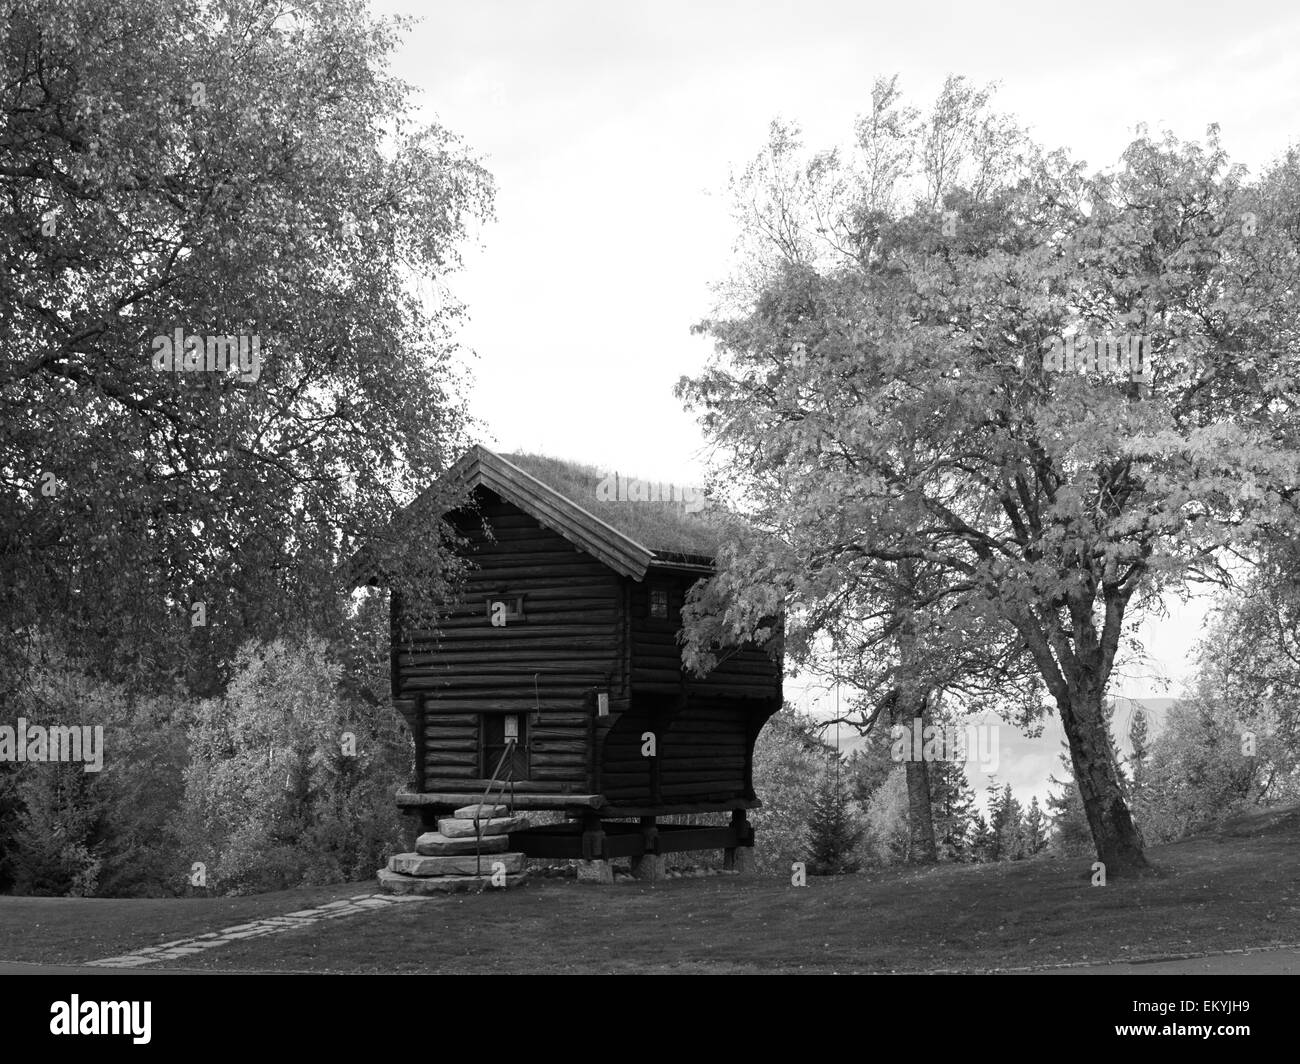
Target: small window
{"type": "Point", "coordinates": [504, 610]}
{"type": "Point", "coordinates": [498, 730]}
{"type": "Point", "coordinates": [659, 602]}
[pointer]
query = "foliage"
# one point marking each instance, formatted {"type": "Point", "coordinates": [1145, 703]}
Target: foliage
{"type": "Point", "coordinates": [1070, 836]}
{"type": "Point", "coordinates": [952, 804]}
{"type": "Point", "coordinates": [273, 798]}
{"type": "Point", "coordinates": [886, 838]}
{"type": "Point", "coordinates": [789, 762]}
{"type": "Point", "coordinates": [221, 167]}
{"type": "Point", "coordinates": [1035, 829]}
{"type": "Point", "coordinates": [106, 833]}
{"type": "Point", "coordinates": [1198, 774]}
{"type": "Point", "coordinates": [878, 393]}
{"type": "Point", "coordinates": [833, 830]}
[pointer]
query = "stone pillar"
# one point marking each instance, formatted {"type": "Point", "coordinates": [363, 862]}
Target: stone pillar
{"type": "Point", "coordinates": [599, 872]}
{"type": "Point", "coordinates": [650, 867]}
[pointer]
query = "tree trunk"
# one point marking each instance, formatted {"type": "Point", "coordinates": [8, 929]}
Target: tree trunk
{"type": "Point", "coordinates": [920, 820]}
{"type": "Point", "coordinates": [1119, 844]}
{"type": "Point", "coordinates": [920, 823]}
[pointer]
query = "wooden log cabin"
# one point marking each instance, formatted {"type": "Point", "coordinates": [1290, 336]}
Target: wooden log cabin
{"type": "Point", "coordinates": [564, 638]}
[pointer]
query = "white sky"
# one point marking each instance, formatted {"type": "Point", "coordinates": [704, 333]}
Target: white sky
{"type": "Point", "coordinates": [611, 128]}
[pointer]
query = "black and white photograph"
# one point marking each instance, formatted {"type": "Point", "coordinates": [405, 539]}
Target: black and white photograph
{"type": "Point", "coordinates": [581, 488]}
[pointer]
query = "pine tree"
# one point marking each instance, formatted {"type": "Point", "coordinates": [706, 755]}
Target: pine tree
{"type": "Point", "coordinates": [59, 833]}
{"type": "Point", "coordinates": [952, 804]}
{"type": "Point", "coordinates": [1010, 826]}
{"type": "Point", "coordinates": [869, 765]}
{"type": "Point", "coordinates": [833, 831]}
{"type": "Point", "coordinates": [1070, 835]}
{"type": "Point", "coordinates": [1035, 829]}
{"type": "Point", "coordinates": [1005, 814]}
{"type": "Point", "coordinates": [981, 839]}
{"type": "Point", "coordinates": [993, 840]}
{"type": "Point", "coordinates": [1141, 743]}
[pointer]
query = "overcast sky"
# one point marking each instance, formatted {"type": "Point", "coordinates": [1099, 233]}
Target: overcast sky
{"type": "Point", "coordinates": [611, 128]}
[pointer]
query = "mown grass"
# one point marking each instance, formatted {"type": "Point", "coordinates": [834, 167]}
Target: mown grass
{"type": "Point", "coordinates": [70, 930]}
{"type": "Point", "coordinates": [1236, 888]}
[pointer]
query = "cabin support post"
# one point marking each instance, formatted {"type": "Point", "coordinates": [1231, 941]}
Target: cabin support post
{"type": "Point", "coordinates": [651, 865]}
{"type": "Point", "coordinates": [737, 858]}
{"type": "Point", "coordinates": [594, 866]}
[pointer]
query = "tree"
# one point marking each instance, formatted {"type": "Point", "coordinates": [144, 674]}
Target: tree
{"type": "Point", "coordinates": [284, 785]}
{"type": "Point", "coordinates": [1010, 826]}
{"type": "Point", "coordinates": [1070, 835]}
{"type": "Point", "coordinates": [833, 831]}
{"type": "Point", "coordinates": [1250, 658]}
{"type": "Point", "coordinates": [55, 846]}
{"type": "Point", "coordinates": [1138, 739]}
{"type": "Point", "coordinates": [789, 762]}
{"type": "Point", "coordinates": [1202, 769]}
{"type": "Point", "coordinates": [879, 392]}
{"type": "Point", "coordinates": [982, 839]}
{"type": "Point", "coordinates": [867, 768]}
{"type": "Point", "coordinates": [1034, 829]}
{"type": "Point", "coordinates": [221, 170]}
{"type": "Point", "coordinates": [887, 834]}
{"type": "Point", "coordinates": [952, 802]}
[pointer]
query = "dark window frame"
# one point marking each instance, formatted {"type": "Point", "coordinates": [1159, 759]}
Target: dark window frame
{"type": "Point", "coordinates": [492, 744]}
{"type": "Point", "coordinates": [514, 607]}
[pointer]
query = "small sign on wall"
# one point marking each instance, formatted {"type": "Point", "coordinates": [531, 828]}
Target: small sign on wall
{"type": "Point", "coordinates": [512, 726]}
{"type": "Point", "coordinates": [602, 704]}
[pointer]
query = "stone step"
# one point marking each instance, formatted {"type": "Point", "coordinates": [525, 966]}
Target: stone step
{"type": "Point", "coordinates": [499, 825]}
{"type": "Point", "coordinates": [436, 844]}
{"type": "Point", "coordinates": [483, 812]}
{"type": "Point", "coordinates": [396, 883]}
{"type": "Point", "coordinates": [415, 864]}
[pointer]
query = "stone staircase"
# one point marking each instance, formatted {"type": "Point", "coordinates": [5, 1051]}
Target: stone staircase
{"type": "Point", "coordinates": [444, 860]}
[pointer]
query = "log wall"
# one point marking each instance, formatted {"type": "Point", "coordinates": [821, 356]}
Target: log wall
{"type": "Point", "coordinates": [564, 648]}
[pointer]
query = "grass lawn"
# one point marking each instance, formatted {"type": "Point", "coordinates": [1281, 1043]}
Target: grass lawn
{"type": "Point", "coordinates": [1237, 888]}
{"type": "Point", "coordinates": [72, 930]}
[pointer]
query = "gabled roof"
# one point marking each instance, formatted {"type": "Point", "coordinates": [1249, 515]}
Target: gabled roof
{"type": "Point", "coordinates": [670, 529]}
{"type": "Point", "coordinates": [629, 537]}
{"type": "Point", "coordinates": [481, 467]}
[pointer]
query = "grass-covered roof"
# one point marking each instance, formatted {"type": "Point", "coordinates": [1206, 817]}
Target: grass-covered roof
{"type": "Point", "coordinates": [668, 528]}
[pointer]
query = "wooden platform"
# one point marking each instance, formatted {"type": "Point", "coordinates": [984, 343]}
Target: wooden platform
{"type": "Point", "coordinates": [621, 839]}
{"type": "Point", "coordinates": [519, 800]}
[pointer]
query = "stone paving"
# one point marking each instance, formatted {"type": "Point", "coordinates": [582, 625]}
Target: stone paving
{"type": "Point", "coordinates": [188, 947]}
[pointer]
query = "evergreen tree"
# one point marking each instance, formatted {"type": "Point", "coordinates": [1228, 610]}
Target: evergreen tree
{"type": "Point", "coordinates": [58, 833]}
{"type": "Point", "coordinates": [1010, 826]}
{"type": "Point", "coordinates": [1005, 814]}
{"type": "Point", "coordinates": [1070, 835]}
{"type": "Point", "coordinates": [981, 839]}
{"type": "Point", "coordinates": [833, 830]}
{"type": "Point", "coordinates": [993, 837]}
{"type": "Point", "coordinates": [1139, 738]}
{"type": "Point", "coordinates": [952, 804]}
{"type": "Point", "coordinates": [869, 765]}
{"type": "Point", "coordinates": [1035, 830]}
